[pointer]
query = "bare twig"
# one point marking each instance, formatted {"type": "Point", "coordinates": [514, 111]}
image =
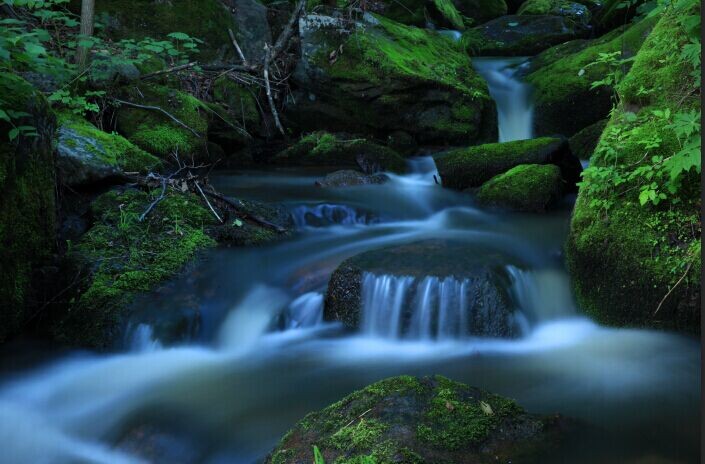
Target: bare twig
{"type": "Point", "coordinates": [272, 106]}
{"type": "Point", "coordinates": [241, 209]}
{"type": "Point", "coordinates": [169, 70]}
{"type": "Point", "coordinates": [156, 108]}
{"type": "Point", "coordinates": [155, 202]}
{"type": "Point", "coordinates": [288, 32]}
{"type": "Point", "coordinates": [238, 50]}
{"type": "Point", "coordinates": [205, 198]}
{"type": "Point", "coordinates": [690, 264]}
{"type": "Point", "coordinates": [358, 417]}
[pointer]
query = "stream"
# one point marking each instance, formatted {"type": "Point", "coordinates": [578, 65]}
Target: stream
{"type": "Point", "coordinates": [259, 356]}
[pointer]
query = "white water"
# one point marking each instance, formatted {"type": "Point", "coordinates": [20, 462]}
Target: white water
{"type": "Point", "coordinates": [512, 97]}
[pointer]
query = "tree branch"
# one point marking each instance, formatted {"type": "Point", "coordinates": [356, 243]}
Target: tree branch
{"type": "Point", "coordinates": [156, 108]}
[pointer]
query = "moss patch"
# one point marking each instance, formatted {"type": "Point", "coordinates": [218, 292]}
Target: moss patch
{"type": "Point", "coordinates": [414, 420]}
{"type": "Point", "coordinates": [527, 187]}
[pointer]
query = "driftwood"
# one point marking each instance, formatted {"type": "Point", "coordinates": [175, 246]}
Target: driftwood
{"type": "Point", "coordinates": [268, 88]}
{"type": "Point", "coordinates": [240, 208]}
{"type": "Point", "coordinates": [173, 69]}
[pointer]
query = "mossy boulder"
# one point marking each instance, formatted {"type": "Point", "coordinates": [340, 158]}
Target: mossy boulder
{"type": "Point", "coordinates": [207, 20]}
{"type": "Point", "coordinates": [350, 178]}
{"type": "Point", "coordinates": [240, 101]}
{"type": "Point", "coordinates": [377, 77]}
{"type": "Point", "coordinates": [121, 256]}
{"type": "Point", "coordinates": [563, 87]}
{"type": "Point", "coordinates": [473, 166]}
{"type": "Point", "coordinates": [154, 131]}
{"type": "Point", "coordinates": [441, 13]}
{"type": "Point", "coordinates": [480, 11]}
{"type": "Point", "coordinates": [422, 421]}
{"type": "Point", "coordinates": [527, 187]}
{"type": "Point", "coordinates": [326, 149]}
{"type": "Point", "coordinates": [521, 35]}
{"type": "Point", "coordinates": [87, 155]}
{"type": "Point", "coordinates": [27, 203]}
{"type": "Point", "coordinates": [583, 143]}
{"type": "Point", "coordinates": [577, 12]}
{"type": "Point", "coordinates": [490, 309]}
{"type": "Point", "coordinates": [624, 258]}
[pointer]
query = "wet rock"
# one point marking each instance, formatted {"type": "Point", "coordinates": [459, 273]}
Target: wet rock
{"type": "Point", "coordinates": [27, 198]}
{"type": "Point", "coordinates": [572, 10]}
{"type": "Point", "coordinates": [424, 421]}
{"type": "Point", "coordinates": [377, 76]}
{"type": "Point", "coordinates": [527, 187]}
{"type": "Point", "coordinates": [473, 166]}
{"type": "Point", "coordinates": [518, 35]}
{"type": "Point", "coordinates": [87, 155]}
{"type": "Point", "coordinates": [489, 311]}
{"type": "Point", "coordinates": [326, 149]}
{"type": "Point", "coordinates": [583, 143]}
{"type": "Point", "coordinates": [481, 11]}
{"type": "Point", "coordinates": [252, 28]}
{"type": "Point", "coordinates": [350, 178]}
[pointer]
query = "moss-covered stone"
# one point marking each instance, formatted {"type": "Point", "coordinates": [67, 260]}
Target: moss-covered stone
{"type": "Point", "coordinates": [481, 11]}
{"type": "Point", "coordinates": [563, 87]}
{"type": "Point", "coordinates": [381, 76]}
{"type": "Point", "coordinates": [326, 149]}
{"type": "Point", "coordinates": [573, 10]}
{"type": "Point", "coordinates": [207, 20]}
{"type": "Point", "coordinates": [88, 155]}
{"type": "Point", "coordinates": [527, 187]}
{"type": "Point", "coordinates": [421, 421]}
{"type": "Point", "coordinates": [626, 258]}
{"type": "Point", "coordinates": [27, 203]}
{"type": "Point", "coordinates": [471, 167]}
{"type": "Point", "coordinates": [155, 132]}
{"type": "Point", "coordinates": [583, 143]}
{"type": "Point", "coordinates": [521, 35]}
{"type": "Point", "coordinates": [443, 13]}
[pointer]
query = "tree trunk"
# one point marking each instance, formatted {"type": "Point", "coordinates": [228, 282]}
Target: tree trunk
{"type": "Point", "coordinates": [87, 13]}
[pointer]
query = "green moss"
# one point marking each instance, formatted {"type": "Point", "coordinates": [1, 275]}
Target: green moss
{"type": "Point", "coordinates": [564, 85]}
{"type": "Point", "coordinates": [574, 10]}
{"type": "Point", "coordinates": [111, 149]}
{"type": "Point", "coordinates": [583, 143]}
{"type": "Point", "coordinates": [527, 187]}
{"type": "Point", "coordinates": [125, 256]}
{"type": "Point", "coordinates": [241, 101]}
{"type": "Point", "coordinates": [626, 258]}
{"type": "Point", "coordinates": [155, 132]}
{"type": "Point", "coordinates": [326, 149]}
{"type": "Point", "coordinates": [480, 11]}
{"type": "Point", "coordinates": [472, 166]}
{"type": "Point", "coordinates": [27, 203]}
{"type": "Point", "coordinates": [447, 9]}
{"type": "Point", "coordinates": [207, 20]}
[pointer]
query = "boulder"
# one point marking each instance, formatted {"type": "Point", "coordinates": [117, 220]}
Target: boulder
{"type": "Point", "coordinates": [624, 257]}
{"type": "Point", "coordinates": [377, 77]}
{"type": "Point", "coordinates": [420, 13]}
{"type": "Point", "coordinates": [350, 178]}
{"type": "Point", "coordinates": [575, 11]}
{"type": "Point", "coordinates": [326, 149]}
{"type": "Point", "coordinates": [521, 35]}
{"type": "Point", "coordinates": [563, 85]}
{"type": "Point", "coordinates": [527, 187]}
{"type": "Point", "coordinates": [27, 200]}
{"type": "Point", "coordinates": [481, 11]}
{"type": "Point", "coordinates": [87, 155]}
{"type": "Point", "coordinates": [426, 264]}
{"type": "Point", "coordinates": [473, 166]}
{"type": "Point", "coordinates": [583, 143]}
{"type": "Point", "coordinates": [251, 28]}
{"type": "Point", "coordinates": [423, 421]}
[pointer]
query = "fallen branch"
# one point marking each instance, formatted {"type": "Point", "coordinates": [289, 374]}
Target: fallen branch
{"type": "Point", "coordinates": [238, 50]}
{"type": "Point", "coordinates": [156, 108]}
{"type": "Point", "coordinates": [208, 202]}
{"type": "Point", "coordinates": [155, 202]}
{"type": "Point", "coordinates": [169, 70]}
{"type": "Point", "coordinates": [241, 210]}
{"type": "Point", "coordinates": [663, 300]}
{"type": "Point", "coordinates": [272, 106]}
{"type": "Point", "coordinates": [288, 32]}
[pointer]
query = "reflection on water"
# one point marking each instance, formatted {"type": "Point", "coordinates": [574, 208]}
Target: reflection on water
{"type": "Point", "coordinates": [260, 357]}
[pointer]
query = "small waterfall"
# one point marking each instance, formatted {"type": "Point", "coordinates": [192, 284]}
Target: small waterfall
{"type": "Point", "coordinates": [542, 294]}
{"type": "Point", "coordinates": [512, 97]}
{"type": "Point", "coordinates": [141, 338]}
{"type": "Point", "coordinates": [305, 311]}
{"type": "Point", "coordinates": [328, 214]}
{"type": "Point", "coordinates": [433, 308]}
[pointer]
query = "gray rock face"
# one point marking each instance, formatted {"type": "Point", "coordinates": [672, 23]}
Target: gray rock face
{"type": "Point", "coordinates": [79, 161]}
{"type": "Point", "coordinates": [470, 281]}
{"type": "Point", "coordinates": [253, 30]}
{"type": "Point", "coordinates": [350, 178]}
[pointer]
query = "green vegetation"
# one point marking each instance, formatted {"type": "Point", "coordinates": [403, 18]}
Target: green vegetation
{"type": "Point", "coordinates": [527, 187]}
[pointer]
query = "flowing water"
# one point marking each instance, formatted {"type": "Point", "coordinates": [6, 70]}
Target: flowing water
{"type": "Point", "coordinates": [217, 365]}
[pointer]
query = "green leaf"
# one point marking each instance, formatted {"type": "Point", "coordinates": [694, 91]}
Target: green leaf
{"type": "Point", "coordinates": [179, 36]}
{"type": "Point", "coordinates": [14, 132]}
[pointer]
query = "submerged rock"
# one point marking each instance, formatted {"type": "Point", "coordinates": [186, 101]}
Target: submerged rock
{"type": "Point", "coordinates": [27, 201]}
{"type": "Point", "coordinates": [87, 155]}
{"type": "Point", "coordinates": [564, 100]}
{"type": "Point", "coordinates": [527, 187]}
{"type": "Point", "coordinates": [517, 35]}
{"type": "Point", "coordinates": [422, 421]}
{"type": "Point", "coordinates": [326, 149]}
{"type": "Point", "coordinates": [378, 77]}
{"type": "Point", "coordinates": [624, 257]}
{"type": "Point", "coordinates": [471, 167]}
{"type": "Point", "coordinates": [350, 178]}
{"type": "Point", "coordinates": [481, 304]}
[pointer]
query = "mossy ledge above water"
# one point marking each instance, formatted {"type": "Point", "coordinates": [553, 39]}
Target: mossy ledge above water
{"type": "Point", "coordinates": [421, 421]}
{"type": "Point", "coordinates": [527, 187]}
